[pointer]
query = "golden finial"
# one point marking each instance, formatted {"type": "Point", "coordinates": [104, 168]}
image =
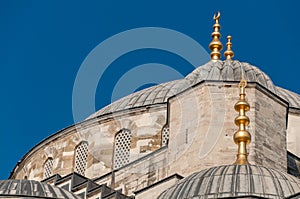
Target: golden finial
{"type": "Point", "coordinates": [215, 45]}
{"type": "Point", "coordinates": [229, 53]}
{"type": "Point", "coordinates": [242, 137]}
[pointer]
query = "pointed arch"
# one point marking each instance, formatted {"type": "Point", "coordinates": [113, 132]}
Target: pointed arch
{"type": "Point", "coordinates": [122, 146]}
{"type": "Point", "coordinates": [81, 154]}
{"type": "Point", "coordinates": [48, 168]}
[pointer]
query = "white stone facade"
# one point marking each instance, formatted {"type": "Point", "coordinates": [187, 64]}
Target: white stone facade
{"type": "Point", "coordinates": [200, 121]}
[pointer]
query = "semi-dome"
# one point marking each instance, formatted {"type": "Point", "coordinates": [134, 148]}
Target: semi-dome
{"type": "Point", "coordinates": [32, 189]}
{"type": "Point", "coordinates": [234, 181]}
{"type": "Point", "coordinates": [222, 71]}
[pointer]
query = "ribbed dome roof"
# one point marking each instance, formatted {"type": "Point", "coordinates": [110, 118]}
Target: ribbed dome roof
{"type": "Point", "coordinates": [289, 96]}
{"type": "Point", "coordinates": [230, 71]}
{"type": "Point", "coordinates": [234, 181]}
{"type": "Point", "coordinates": [211, 71]}
{"type": "Point", "coordinates": [32, 189]}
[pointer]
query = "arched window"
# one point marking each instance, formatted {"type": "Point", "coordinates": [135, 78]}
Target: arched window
{"type": "Point", "coordinates": [48, 167]}
{"type": "Point", "coordinates": [81, 153]}
{"type": "Point", "coordinates": [122, 148]}
{"type": "Point", "coordinates": [165, 133]}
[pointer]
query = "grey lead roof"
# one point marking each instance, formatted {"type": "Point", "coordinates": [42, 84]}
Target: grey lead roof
{"type": "Point", "coordinates": [211, 71]}
{"type": "Point", "coordinates": [230, 71]}
{"type": "Point", "coordinates": [234, 181]}
{"type": "Point", "coordinates": [32, 189]}
{"type": "Point", "coordinates": [291, 97]}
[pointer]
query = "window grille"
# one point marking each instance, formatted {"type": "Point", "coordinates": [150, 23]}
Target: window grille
{"type": "Point", "coordinates": [165, 135]}
{"type": "Point", "coordinates": [81, 154]}
{"type": "Point", "coordinates": [48, 166]}
{"type": "Point", "coordinates": [122, 148]}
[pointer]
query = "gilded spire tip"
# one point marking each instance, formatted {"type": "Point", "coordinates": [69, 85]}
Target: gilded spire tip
{"type": "Point", "coordinates": [242, 137]}
{"type": "Point", "coordinates": [215, 45]}
{"type": "Point", "coordinates": [243, 82]}
{"type": "Point", "coordinates": [229, 54]}
{"type": "Point", "coordinates": [217, 16]}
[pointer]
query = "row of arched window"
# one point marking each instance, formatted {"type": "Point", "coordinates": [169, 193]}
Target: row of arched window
{"type": "Point", "coordinates": [81, 154]}
{"type": "Point", "coordinates": [123, 142]}
{"type": "Point", "coordinates": [121, 152]}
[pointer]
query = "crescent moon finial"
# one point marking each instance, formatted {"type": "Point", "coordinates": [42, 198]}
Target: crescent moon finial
{"type": "Point", "coordinates": [216, 45]}
{"type": "Point", "coordinates": [217, 16]}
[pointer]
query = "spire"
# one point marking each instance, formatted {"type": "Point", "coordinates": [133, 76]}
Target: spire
{"type": "Point", "coordinates": [215, 45]}
{"type": "Point", "coordinates": [229, 53]}
{"type": "Point", "coordinates": [242, 137]}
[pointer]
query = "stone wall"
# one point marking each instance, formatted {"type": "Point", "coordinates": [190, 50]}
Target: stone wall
{"type": "Point", "coordinates": [201, 124]}
{"type": "Point", "coordinates": [145, 125]}
{"type": "Point", "coordinates": [60, 150]}
{"type": "Point", "coordinates": [269, 143]}
{"type": "Point", "coordinates": [155, 190]}
{"type": "Point", "coordinates": [201, 128]}
{"type": "Point", "coordinates": [142, 173]}
{"type": "Point", "coordinates": [138, 174]}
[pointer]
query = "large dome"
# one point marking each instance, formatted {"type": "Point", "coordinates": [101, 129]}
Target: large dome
{"type": "Point", "coordinates": [221, 71]}
{"type": "Point", "coordinates": [32, 189]}
{"type": "Point", "coordinates": [234, 181]}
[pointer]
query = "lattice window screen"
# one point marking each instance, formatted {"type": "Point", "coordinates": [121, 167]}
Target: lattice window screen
{"type": "Point", "coordinates": [81, 154]}
{"type": "Point", "coordinates": [165, 135]}
{"type": "Point", "coordinates": [122, 148]}
{"type": "Point", "coordinates": [48, 166]}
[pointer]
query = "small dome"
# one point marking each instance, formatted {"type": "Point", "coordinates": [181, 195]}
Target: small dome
{"type": "Point", "coordinates": [32, 189]}
{"type": "Point", "coordinates": [234, 181]}
{"type": "Point", "coordinates": [230, 71]}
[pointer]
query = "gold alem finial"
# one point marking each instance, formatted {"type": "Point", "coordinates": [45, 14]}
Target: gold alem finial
{"type": "Point", "coordinates": [215, 45]}
{"type": "Point", "coordinates": [229, 54]}
{"type": "Point", "coordinates": [242, 137]}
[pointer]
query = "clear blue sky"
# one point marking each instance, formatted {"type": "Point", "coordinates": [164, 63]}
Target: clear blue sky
{"type": "Point", "coordinates": [43, 43]}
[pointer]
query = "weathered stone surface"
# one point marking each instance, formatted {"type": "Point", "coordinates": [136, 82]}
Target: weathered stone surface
{"type": "Point", "coordinates": [156, 190]}
{"type": "Point", "coordinates": [145, 125]}
{"type": "Point", "coordinates": [201, 127]}
{"type": "Point", "coordinates": [270, 132]}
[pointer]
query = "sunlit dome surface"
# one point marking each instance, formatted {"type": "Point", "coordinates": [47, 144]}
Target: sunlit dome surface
{"type": "Point", "coordinates": [234, 181]}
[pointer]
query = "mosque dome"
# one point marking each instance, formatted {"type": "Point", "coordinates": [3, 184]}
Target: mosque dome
{"type": "Point", "coordinates": [32, 189]}
{"type": "Point", "coordinates": [234, 181]}
{"type": "Point", "coordinates": [230, 71]}
{"type": "Point", "coordinates": [157, 139]}
{"type": "Point", "coordinates": [215, 71]}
